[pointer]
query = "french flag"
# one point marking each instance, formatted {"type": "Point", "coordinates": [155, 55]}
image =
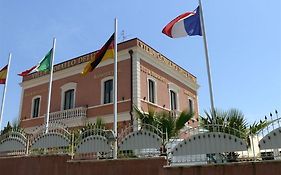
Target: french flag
{"type": "Point", "coordinates": [183, 25]}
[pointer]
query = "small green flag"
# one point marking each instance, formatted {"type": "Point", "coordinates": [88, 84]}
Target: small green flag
{"type": "Point", "coordinates": [45, 63]}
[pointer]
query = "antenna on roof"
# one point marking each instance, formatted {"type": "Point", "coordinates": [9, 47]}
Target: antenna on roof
{"type": "Point", "coordinates": [123, 36]}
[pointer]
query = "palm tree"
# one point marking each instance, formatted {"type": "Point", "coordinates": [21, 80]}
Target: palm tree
{"type": "Point", "coordinates": [257, 126]}
{"type": "Point", "coordinates": [15, 126]}
{"type": "Point", "coordinates": [89, 129]}
{"type": "Point", "coordinates": [171, 125]}
{"type": "Point", "coordinates": [149, 118]}
{"type": "Point", "coordinates": [7, 129]}
{"type": "Point", "coordinates": [164, 121]}
{"type": "Point", "coordinates": [232, 120]}
{"type": "Point", "coordinates": [99, 124]}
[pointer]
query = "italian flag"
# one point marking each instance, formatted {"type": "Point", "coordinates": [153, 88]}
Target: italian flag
{"type": "Point", "coordinates": [42, 66]}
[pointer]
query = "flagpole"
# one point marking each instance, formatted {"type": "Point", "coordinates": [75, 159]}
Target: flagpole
{"type": "Point", "coordinates": [115, 89]}
{"type": "Point", "coordinates": [207, 57]}
{"type": "Point", "coordinates": [5, 89]}
{"type": "Point", "coordinates": [50, 85]}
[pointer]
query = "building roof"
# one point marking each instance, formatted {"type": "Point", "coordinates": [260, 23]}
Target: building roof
{"type": "Point", "coordinates": [121, 46]}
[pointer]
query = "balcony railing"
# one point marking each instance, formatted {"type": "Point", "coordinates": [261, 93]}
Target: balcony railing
{"type": "Point", "coordinates": [75, 113]}
{"type": "Point", "coordinates": [175, 113]}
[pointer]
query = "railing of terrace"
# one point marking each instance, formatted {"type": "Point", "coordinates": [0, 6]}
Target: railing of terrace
{"type": "Point", "coordinates": [79, 112]}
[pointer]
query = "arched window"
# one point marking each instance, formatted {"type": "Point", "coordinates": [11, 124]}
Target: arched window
{"type": "Point", "coordinates": [173, 93]}
{"type": "Point", "coordinates": [68, 92]}
{"type": "Point", "coordinates": [68, 99]}
{"type": "Point", "coordinates": [107, 90]}
{"type": "Point", "coordinates": [35, 109]}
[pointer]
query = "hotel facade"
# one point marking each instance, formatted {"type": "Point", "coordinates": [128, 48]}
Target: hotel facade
{"type": "Point", "coordinates": [146, 79]}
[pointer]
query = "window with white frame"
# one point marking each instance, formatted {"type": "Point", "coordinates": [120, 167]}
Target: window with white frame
{"type": "Point", "coordinates": [68, 96]}
{"type": "Point", "coordinates": [173, 93]}
{"type": "Point", "coordinates": [151, 91]}
{"type": "Point", "coordinates": [190, 105]}
{"type": "Point", "coordinates": [68, 99]}
{"type": "Point", "coordinates": [108, 91]}
{"type": "Point", "coordinates": [36, 106]}
{"type": "Point", "coordinates": [173, 100]}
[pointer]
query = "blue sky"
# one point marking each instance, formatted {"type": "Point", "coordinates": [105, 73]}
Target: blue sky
{"type": "Point", "coordinates": [244, 39]}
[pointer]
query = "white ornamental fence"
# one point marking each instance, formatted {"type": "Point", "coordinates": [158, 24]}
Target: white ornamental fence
{"type": "Point", "coordinates": [202, 144]}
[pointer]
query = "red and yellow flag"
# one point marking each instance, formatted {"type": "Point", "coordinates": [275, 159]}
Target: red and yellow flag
{"type": "Point", "coordinates": [3, 74]}
{"type": "Point", "coordinates": [106, 52]}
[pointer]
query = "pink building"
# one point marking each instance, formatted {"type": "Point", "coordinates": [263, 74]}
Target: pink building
{"type": "Point", "coordinates": [146, 79]}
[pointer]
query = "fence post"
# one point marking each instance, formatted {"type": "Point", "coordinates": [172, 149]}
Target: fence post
{"type": "Point", "coordinates": [254, 153]}
{"type": "Point", "coordinates": [72, 145]}
{"type": "Point", "coordinates": [27, 146]}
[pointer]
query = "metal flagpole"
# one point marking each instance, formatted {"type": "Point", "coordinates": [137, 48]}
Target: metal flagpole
{"type": "Point", "coordinates": [50, 86]}
{"type": "Point", "coordinates": [207, 56]}
{"type": "Point", "coordinates": [5, 89]}
{"type": "Point", "coordinates": [115, 89]}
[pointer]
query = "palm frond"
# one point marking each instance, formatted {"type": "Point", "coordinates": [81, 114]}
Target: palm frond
{"type": "Point", "coordinates": [140, 114]}
{"type": "Point", "coordinates": [203, 121]}
{"type": "Point", "coordinates": [182, 119]}
{"type": "Point", "coordinates": [237, 120]}
{"type": "Point", "coordinates": [146, 118]}
{"type": "Point", "coordinates": [233, 120]}
{"type": "Point", "coordinates": [167, 124]}
{"type": "Point", "coordinates": [100, 123]}
{"type": "Point", "coordinates": [258, 126]}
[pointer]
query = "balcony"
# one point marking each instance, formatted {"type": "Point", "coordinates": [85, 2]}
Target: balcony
{"type": "Point", "coordinates": [71, 117]}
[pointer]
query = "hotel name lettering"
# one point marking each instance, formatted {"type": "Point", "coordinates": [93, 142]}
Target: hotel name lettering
{"type": "Point", "coordinates": [87, 57]}
{"type": "Point", "coordinates": [105, 74]}
{"type": "Point", "coordinates": [166, 61]}
{"type": "Point", "coordinates": [189, 94]}
{"type": "Point", "coordinates": [153, 74]}
{"type": "Point", "coordinates": [66, 64]}
{"type": "Point", "coordinates": [33, 93]}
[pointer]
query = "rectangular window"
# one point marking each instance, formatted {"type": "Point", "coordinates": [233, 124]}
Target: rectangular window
{"type": "Point", "coordinates": [190, 105]}
{"type": "Point", "coordinates": [151, 91]}
{"type": "Point", "coordinates": [108, 92]}
{"type": "Point", "coordinates": [36, 104]}
{"type": "Point", "coordinates": [68, 99]}
{"type": "Point", "coordinates": [173, 99]}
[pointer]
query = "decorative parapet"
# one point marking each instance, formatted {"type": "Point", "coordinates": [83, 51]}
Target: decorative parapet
{"type": "Point", "coordinates": [165, 60]}
{"type": "Point", "coordinates": [121, 46]}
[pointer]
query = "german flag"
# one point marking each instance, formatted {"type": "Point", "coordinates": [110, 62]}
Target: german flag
{"type": "Point", "coordinates": [3, 74]}
{"type": "Point", "coordinates": [106, 52]}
